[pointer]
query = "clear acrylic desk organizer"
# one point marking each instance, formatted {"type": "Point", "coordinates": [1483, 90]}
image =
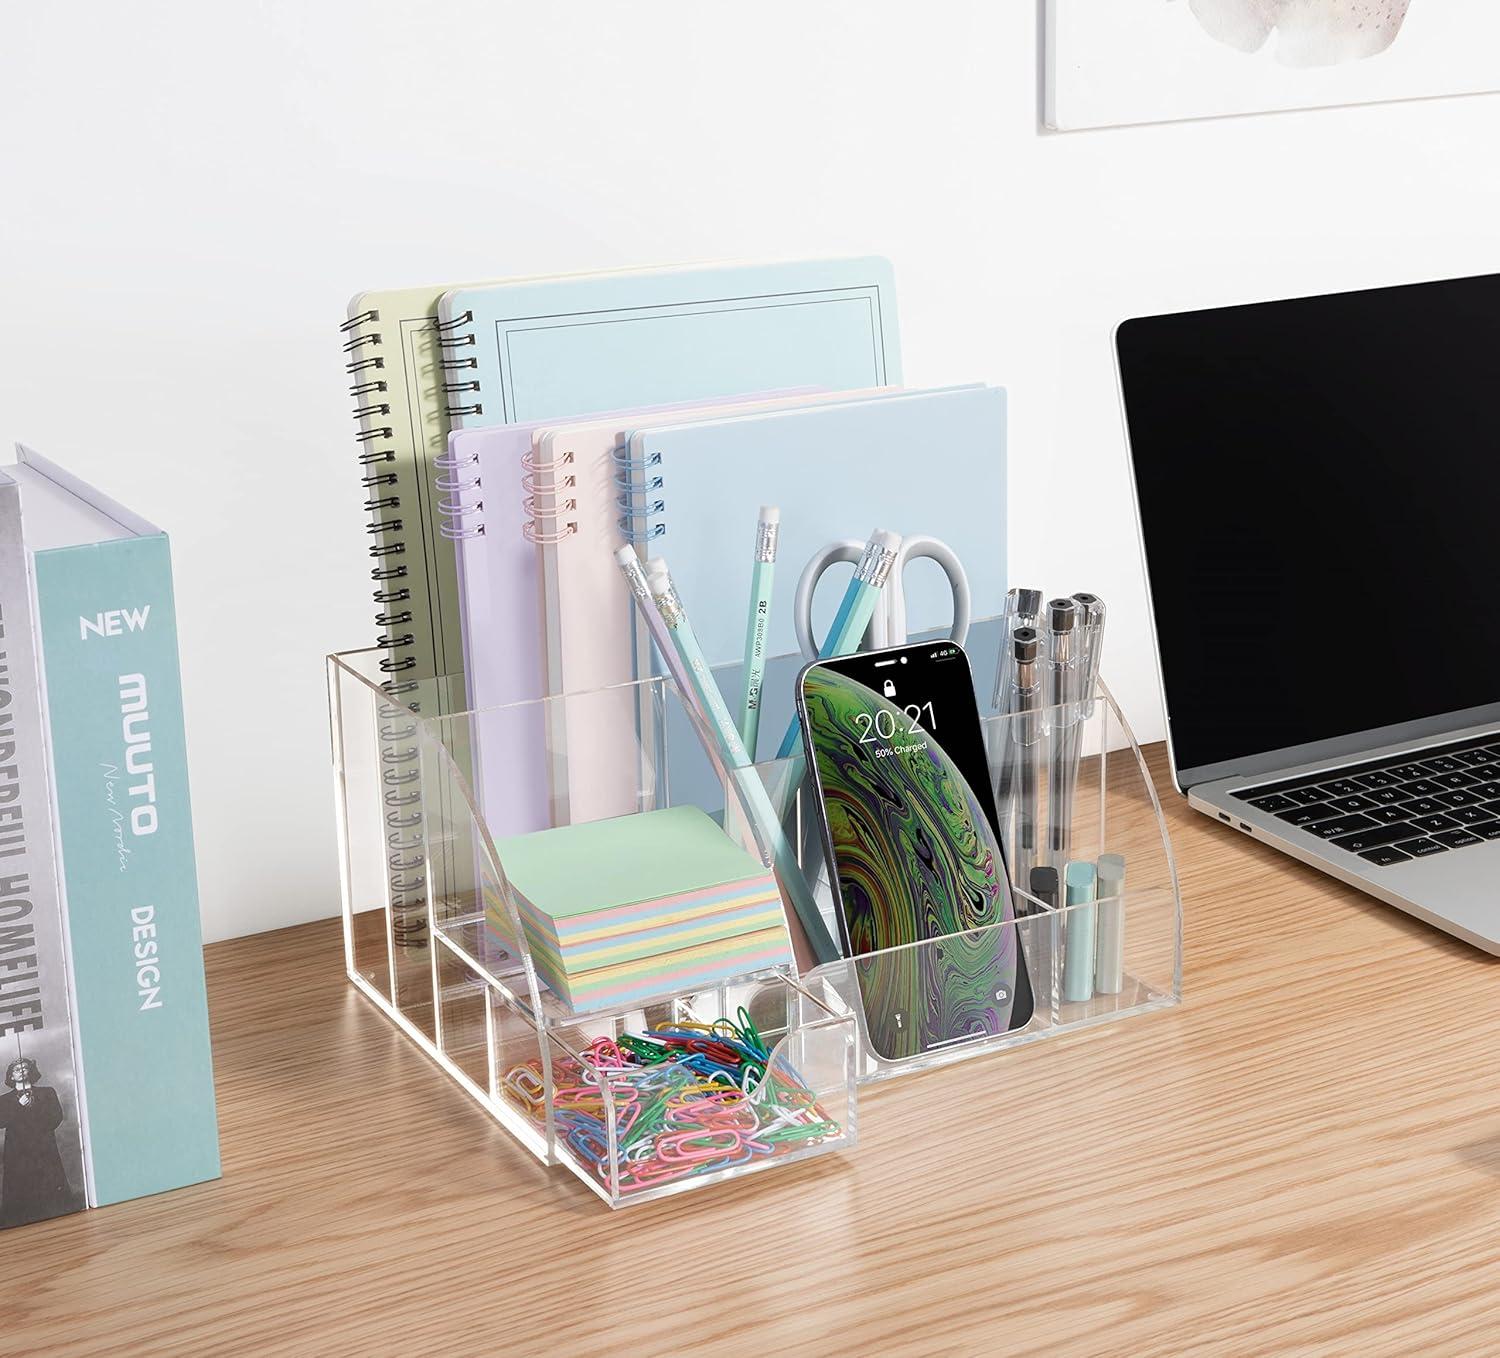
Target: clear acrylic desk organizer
{"type": "Point", "coordinates": [421, 869]}
{"type": "Point", "coordinates": [421, 864]}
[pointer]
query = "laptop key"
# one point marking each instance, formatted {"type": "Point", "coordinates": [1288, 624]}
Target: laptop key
{"type": "Point", "coordinates": [1489, 829]}
{"type": "Point", "coordinates": [1421, 787]}
{"type": "Point", "coordinates": [1421, 848]}
{"type": "Point", "coordinates": [1308, 815]}
{"type": "Point", "coordinates": [1457, 839]}
{"type": "Point", "coordinates": [1344, 825]}
{"type": "Point", "coordinates": [1428, 824]}
{"type": "Point", "coordinates": [1442, 764]}
{"type": "Point", "coordinates": [1462, 779]}
{"type": "Point", "coordinates": [1459, 797]}
{"type": "Point", "coordinates": [1342, 787]}
{"type": "Point", "coordinates": [1387, 854]}
{"type": "Point", "coordinates": [1389, 815]}
{"type": "Point", "coordinates": [1406, 772]}
{"type": "Point", "coordinates": [1373, 838]}
{"type": "Point", "coordinates": [1274, 803]}
{"type": "Point", "coordinates": [1380, 778]}
{"type": "Point", "coordinates": [1387, 796]}
{"type": "Point", "coordinates": [1471, 815]}
{"type": "Point", "coordinates": [1487, 790]}
{"type": "Point", "coordinates": [1424, 806]}
{"type": "Point", "coordinates": [1350, 804]}
{"type": "Point", "coordinates": [1309, 796]}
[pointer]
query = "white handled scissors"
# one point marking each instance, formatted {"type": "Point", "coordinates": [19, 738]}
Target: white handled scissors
{"type": "Point", "coordinates": [888, 626]}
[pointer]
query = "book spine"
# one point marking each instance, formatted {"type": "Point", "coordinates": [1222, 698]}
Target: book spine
{"type": "Point", "coordinates": [390, 573]}
{"type": "Point", "coordinates": [41, 1101]}
{"type": "Point", "coordinates": [365, 363]}
{"type": "Point", "coordinates": [108, 629]}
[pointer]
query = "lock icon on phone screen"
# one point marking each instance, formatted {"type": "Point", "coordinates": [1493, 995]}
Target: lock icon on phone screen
{"type": "Point", "coordinates": [890, 688]}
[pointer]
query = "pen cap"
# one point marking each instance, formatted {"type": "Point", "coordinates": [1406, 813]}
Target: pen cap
{"type": "Point", "coordinates": [1079, 931]}
{"type": "Point", "coordinates": [1062, 615]}
{"type": "Point", "coordinates": [1025, 644]}
{"type": "Point", "coordinates": [1028, 605]}
{"type": "Point", "coordinates": [1109, 941]}
{"type": "Point", "coordinates": [1111, 874]}
{"type": "Point", "coordinates": [1044, 886]}
{"type": "Point", "coordinates": [1079, 880]}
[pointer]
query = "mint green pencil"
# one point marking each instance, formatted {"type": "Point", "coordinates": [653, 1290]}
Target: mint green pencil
{"type": "Point", "coordinates": [762, 574]}
{"type": "Point", "coordinates": [673, 635]}
{"type": "Point", "coordinates": [855, 611]}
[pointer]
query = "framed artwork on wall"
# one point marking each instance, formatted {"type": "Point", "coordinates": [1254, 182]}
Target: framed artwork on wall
{"type": "Point", "coordinates": [1112, 62]}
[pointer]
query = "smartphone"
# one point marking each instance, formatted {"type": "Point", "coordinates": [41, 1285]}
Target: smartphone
{"type": "Point", "coordinates": [910, 829]}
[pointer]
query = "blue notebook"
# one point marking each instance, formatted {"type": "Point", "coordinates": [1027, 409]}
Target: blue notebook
{"type": "Point", "coordinates": [569, 346]}
{"type": "Point", "coordinates": [930, 463]}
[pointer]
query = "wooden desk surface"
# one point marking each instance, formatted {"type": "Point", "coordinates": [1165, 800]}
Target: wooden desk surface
{"type": "Point", "coordinates": [1304, 1157]}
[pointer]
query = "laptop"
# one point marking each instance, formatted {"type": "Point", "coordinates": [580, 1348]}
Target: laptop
{"type": "Point", "coordinates": [1318, 488]}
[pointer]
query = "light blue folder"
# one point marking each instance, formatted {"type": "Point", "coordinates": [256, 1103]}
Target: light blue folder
{"type": "Point", "coordinates": [570, 346]}
{"type": "Point", "coordinates": [928, 463]}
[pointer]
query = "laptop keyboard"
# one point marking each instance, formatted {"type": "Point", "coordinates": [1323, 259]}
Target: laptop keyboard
{"type": "Point", "coordinates": [1393, 810]}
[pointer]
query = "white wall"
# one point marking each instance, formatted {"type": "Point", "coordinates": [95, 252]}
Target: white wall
{"type": "Point", "coordinates": [189, 193]}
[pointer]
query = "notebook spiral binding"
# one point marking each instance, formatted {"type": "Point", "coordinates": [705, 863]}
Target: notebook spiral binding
{"type": "Point", "coordinates": [548, 506]}
{"type": "Point", "coordinates": [636, 481]}
{"type": "Point", "coordinates": [461, 504]}
{"type": "Point", "coordinates": [365, 363]}
{"type": "Point", "coordinates": [405, 841]}
{"type": "Point", "coordinates": [460, 369]}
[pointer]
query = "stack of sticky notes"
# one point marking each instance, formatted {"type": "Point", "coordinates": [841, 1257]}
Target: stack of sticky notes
{"type": "Point", "coordinates": [616, 911]}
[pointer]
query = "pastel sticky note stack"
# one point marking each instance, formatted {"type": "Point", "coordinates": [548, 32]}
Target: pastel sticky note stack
{"type": "Point", "coordinates": [619, 910]}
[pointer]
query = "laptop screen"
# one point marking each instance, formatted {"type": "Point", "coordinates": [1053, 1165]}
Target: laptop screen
{"type": "Point", "coordinates": [1319, 491]}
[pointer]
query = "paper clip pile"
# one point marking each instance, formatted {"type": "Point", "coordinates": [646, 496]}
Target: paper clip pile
{"type": "Point", "coordinates": [688, 1099]}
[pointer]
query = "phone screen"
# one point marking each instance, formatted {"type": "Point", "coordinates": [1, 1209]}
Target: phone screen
{"type": "Point", "coordinates": [909, 820]}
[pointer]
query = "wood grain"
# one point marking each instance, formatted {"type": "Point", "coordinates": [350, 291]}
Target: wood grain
{"type": "Point", "coordinates": [1304, 1157]}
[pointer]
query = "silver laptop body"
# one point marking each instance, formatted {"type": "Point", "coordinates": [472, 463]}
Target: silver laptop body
{"type": "Point", "coordinates": [1281, 606]}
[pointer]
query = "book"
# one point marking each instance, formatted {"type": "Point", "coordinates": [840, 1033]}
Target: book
{"type": "Point", "coordinates": [112, 694]}
{"type": "Point", "coordinates": [565, 347]}
{"type": "Point", "coordinates": [679, 905]}
{"type": "Point", "coordinates": [929, 462]}
{"type": "Point", "coordinates": [41, 1124]}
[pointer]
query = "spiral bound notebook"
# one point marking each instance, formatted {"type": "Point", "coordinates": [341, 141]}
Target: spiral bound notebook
{"type": "Point", "coordinates": [924, 462]}
{"type": "Point", "coordinates": [562, 348]}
